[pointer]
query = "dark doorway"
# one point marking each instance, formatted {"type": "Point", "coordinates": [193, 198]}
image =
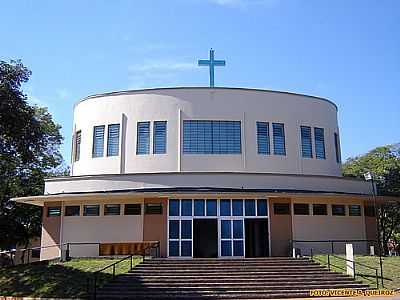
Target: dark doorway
{"type": "Point", "coordinates": [205, 238]}
{"type": "Point", "coordinates": [257, 244]}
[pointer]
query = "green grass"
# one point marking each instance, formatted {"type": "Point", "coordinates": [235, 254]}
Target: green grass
{"type": "Point", "coordinates": [391, 269]}
{"type": "Point", "coordinates": [67, 279]}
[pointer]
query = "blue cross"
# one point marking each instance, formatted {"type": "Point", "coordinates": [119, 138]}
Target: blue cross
{"type": "Point", "coordinates": [211, 63]}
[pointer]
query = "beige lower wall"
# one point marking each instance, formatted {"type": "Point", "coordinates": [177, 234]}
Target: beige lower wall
{"type": "Point", "coordinates": [50, 234]}
{"type": "Point", "coordinates": [98, 229]}
{"type": "Point", "coordinates": [281, 229]}
{"type": "Point", "coordinates": [319, 228]}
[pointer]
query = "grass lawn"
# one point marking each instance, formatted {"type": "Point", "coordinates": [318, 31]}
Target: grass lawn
{"type": "Point", "coordinates": [391, 269]}
{"type": "Point", "coordinates": [67, 279]}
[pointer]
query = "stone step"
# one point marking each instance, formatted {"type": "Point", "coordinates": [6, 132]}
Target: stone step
{"type": "Point", "coordinates": [225, 260]}
{"type": "Point", "coordinates": [232, 269]}
{"type": "Point", "coordinates": [234, 286]}
{"type": "Point", "coordinates": [232, 264]}
{"type": "Point", "coordinates": [226, 272]}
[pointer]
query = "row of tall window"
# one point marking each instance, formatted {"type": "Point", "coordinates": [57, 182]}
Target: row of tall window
{"type": "Point", "coordinates": [113, 134]}
{"type": "Point", "coordinates": [209, 137]}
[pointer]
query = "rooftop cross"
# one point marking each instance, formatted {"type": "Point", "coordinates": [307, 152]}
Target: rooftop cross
{"type": "Point", "coordinates": [211, 63]}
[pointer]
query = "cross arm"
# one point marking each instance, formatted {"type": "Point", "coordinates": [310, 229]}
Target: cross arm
{"type": "Point", "coordinates": [204, 62]}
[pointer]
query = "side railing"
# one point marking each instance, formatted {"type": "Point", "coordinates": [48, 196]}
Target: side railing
{"type": "Point", "coordinates": [94, 283]}
{"type": "Point", "coordinates": [329, 249]}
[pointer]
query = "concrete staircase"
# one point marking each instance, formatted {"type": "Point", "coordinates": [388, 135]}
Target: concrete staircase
{"type": "Point", "coordinates": [253, 278]}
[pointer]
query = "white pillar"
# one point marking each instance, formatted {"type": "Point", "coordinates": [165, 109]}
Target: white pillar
{"type": "Point", "coordinates": [349, 260]}
{"type": "Point", "coordinates": [372, 250]}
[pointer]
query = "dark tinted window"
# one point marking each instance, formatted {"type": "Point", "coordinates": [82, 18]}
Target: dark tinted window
{"type": "Point", "coordinates": [73, 210]}
{"type": "Point", "coordinates": [281, 208]}
{"type": "Point", "coordinates": [174, 248]}
{"type": "Point", "coordinates": [153, 209]}
{"type": "Point", "coordinates": [225, 207]}
{"type": "Point", "coordinates": [354, 210]}
{"type": "Point", "coordinates": [338, 210]}
{"type": "Point", "coordinates": [174, 207]}
{"type": "Point", "coordinates": [133, 209]}
{"type": "Point", "coordinates": [237, 229]}
{"type": "Point", "coordinates": [301, 209]}
{"type": "Point", "coordinates": [186, 248]}
{"type": "Point", "coordinates": [186, 229]}
{"type": "Point", "coordinates": [226, 229]}
{"type": "Point", "coordinates": [320, 209]}
{"type": "Point", "coordinates": [112, 209]}
{"type": "Point", "coordinates": [262, 208]}
{"type": "Point", "coordinates": [186, 209]}
{"type": "Point", "coordinates": [54, 211]}
{"type": "Point", "coordinates": [199, 207]}
{"type": "Point", "coordinates": [211, 207]}
{"type": "Point", "coordinates": [174, 229]}
{"type": "Point", "coordinates": [263, 145]}
{"type": "Point", "coordinates": [278, 131]}
{"type": "Point", "coordinates": [91, 210]}
{"type": "Point", "coordinates": [250, 207]}
{"type": "Point", "coordinates": [306, 141]}
{"type": "Point", "coordinates": [237, 207]}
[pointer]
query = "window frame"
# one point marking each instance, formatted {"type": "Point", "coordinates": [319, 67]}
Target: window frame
{"type": "Point", "coordinates": [296, 206]}
{"type": "Point", "coordinates": [107, 213]}
{"type": "Point", "coordinates": [143, 137]}
{"type": "Point", "coordinates": [131, 204]}
{"type": "Point", "coordinates": [85, 213]}
{"type": "Point", "coordinates": [306, 142]}
{"type": "Point", "coordinates": [319, 143]}
{"type": "Point", "coordinates": [78, 142]}
{"type": "Point", "coordinates": [56, 208]}
{"type": "Point", "coordinates": [163, 137]}
{"type": "Point", "coordinates": [315, 205]}
{"type": "Point", "coordinates": [95, 153]}
{"type": "Point", "coordinates": [113, 141]}
{"type": "Point", "coordinates": [281, 213]}
{"type": "Point", "coordinates": [67, 214]}
{"type": "Point", "coordinates": [351, 212]}
{"type": "Point", "coordinates": [336, 214]}
{"type": "Point", "coordinates": [275, 137]}
{"type": "Point", "coordinates": [263, 136]}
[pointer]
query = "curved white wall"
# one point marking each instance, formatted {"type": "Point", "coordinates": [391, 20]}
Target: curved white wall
{"type": "Point", "coordinates": [177, 104]}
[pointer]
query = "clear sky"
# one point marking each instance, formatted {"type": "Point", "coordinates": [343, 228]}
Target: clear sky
{"type": "Point", "coordinates": [346, 51]}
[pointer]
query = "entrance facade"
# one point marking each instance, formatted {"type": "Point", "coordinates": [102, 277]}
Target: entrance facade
{"type": "Point", "coordinates": [218, 228]}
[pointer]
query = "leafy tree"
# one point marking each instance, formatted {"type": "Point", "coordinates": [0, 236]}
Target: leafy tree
{"type": "Point", "coordinates": [29, 152]}
{"type": "Point", "coordinates": [384, 163]}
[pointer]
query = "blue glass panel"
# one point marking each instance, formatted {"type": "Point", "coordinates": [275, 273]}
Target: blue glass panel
{"type": "Point", "coordinates": [98, 141]}
{"type": "Point", "coordinates": [143, 138]}
{"type": "Point", "coordinates": [238, 229]}
{"type": "Point", "coordinates": [186, 248]}
{"type": "Point", "coordinates": [238, 248]}
{"type": "Point", "coordinates": [174, 207]}
{"type": "Point", "coordinates": [262, 207]}
{"type": "Point", "coordinates": [174, 229]}
{"type": "Point", "coordinates": [199, 207]}
{"type": "Point", "coordinates": [250, 207]}
{"type": "Point", "coordinates": [226, 248]}
{"type": "Point", "coordinates": [306, 142]}
{"type": "Point", "coordinates": [279, 138]}
{"type": "Point", "coordinates": [113, 140]}
{"type": "Point", "coordinates": [226, 229]}
{"type": "Point", "coordinates": [186, 209]}
{"type": "Point", "coordinates": [225, 207]}
{"type": "Point", "coordinates": [211, 137]}
{"type": "Point", "coordinates": [173, 248]}
{"type": "Point", "coordinates": [263, 144]}
{"type": "Point", "coordinates": [237, 207]}
{"type": "Point", "coordinates": [160, 137]}
{"type": "Point", "coordinates": [319, 143]}
{"type": "Point", "coordinates": [211, 207]}
{"type": "Point", "coordinates": [186, 229]}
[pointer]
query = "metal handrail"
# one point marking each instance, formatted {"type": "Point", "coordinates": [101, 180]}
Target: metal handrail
{"type": "Point", "coordinates": [95, 274]}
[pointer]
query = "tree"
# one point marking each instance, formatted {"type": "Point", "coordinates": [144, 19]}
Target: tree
{"type": "Point", "coordinates": [29, 152]}
{"type": "Point", "coordinates": [384, 163]}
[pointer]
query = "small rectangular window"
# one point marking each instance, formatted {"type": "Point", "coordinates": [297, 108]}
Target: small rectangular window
{"type": "Point", "coordinates": [354, 210]}
{"type": "Point", "coordinates": [281, 208]}
{"type": "Point", "coordinates": [199, 207]}
{"type": "Point", "coordinates": [320, 210]}
{"type": "Point", "coordinates": [91, 210]}
{"type": "Point", "coordinates": [54, 211]}
{"type": "Point", "coordinates": [237, 207]}
{"type": "Point", "coordinates": [186, 207]}
{"type": "Point", "coordinates": [369, 211]}
{"type": "Point", "coordinates": [98, 141]}
{"type": "Point", "coordinates": [278, 130]}
{"type": "Point", "coordinates": [306, 142]}
{"type": "Point", "coordinates": [143, 138]}
{"type": "Point", "coordinates": [35, 253]}
{"type": "Point", "coordinates": [263, 144]}
{"type": "Point", "coordinates": [112, 209]}
{"type": "Point", "coordinates": [225, 207]}
{"type": "Point", "coordinates": [78, 139]}
{"type": "Point", "coordinates": [338, 210]}
{"type": "Point", "coordinates": [133, 209]}
{"type": "Point", "coordinates": [301, 209]}
{"type": "Point", "coordinates": [160, 137]}
{"type": "Point", "coordinates": [262, 207]}
{"type": "Point", "coordinates": [250, 207]}
{"type": "Point", "coordinates": [319, 143]}
{"type": "Point", "coordinates": [72, 210]}
{"type": "Point", "coordinates": [337, 148]}
{"type": "Point", "coordinates": [153, 209]}
{"type": "Point", "coordinates": [211, 207]}
{"type": "Point", "coordinates": [113, 140]}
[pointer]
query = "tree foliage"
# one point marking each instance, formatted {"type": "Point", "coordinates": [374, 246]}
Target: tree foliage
{"type": "Point", "coordinates": [384, 164]}
{"type": "Point", "coordinates": [29, 152]}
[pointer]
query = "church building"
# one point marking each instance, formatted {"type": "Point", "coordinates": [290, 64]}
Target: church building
{"type": "Point", "coordinates": [207, 172]}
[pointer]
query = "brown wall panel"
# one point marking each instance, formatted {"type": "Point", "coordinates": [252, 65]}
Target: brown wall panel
{"type": "Point", "coordinates": [281, 229]}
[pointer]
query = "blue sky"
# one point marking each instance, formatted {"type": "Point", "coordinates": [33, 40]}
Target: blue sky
{"type": "Point", "coordinates": [346, 51]}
